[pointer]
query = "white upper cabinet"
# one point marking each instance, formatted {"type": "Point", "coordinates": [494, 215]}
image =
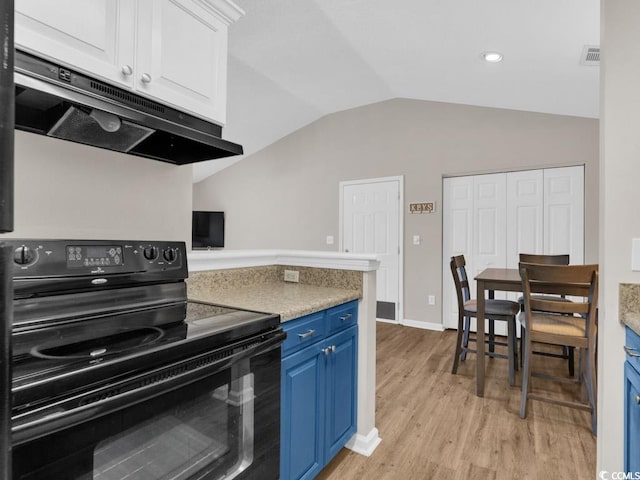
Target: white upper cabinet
{"type": "Point", "coordinates": [173, 51]}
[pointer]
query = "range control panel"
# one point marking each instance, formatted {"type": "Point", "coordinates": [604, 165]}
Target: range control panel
{"type": "Point", "coordinates": [57, 260]}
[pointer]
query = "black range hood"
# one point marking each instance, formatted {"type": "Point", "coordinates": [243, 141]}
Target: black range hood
{"type": "Point", "coordinates": [58, 102]}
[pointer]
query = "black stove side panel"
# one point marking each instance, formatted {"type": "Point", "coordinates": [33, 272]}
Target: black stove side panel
{"type": "Point", "coordinates": [7, 118]}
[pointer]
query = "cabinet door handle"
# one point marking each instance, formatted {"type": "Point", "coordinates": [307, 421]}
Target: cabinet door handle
{"type": "Point", "coordinates": [146, 78]}
{"type": "Point", "coordinates": [306, 334]}
{"type": "Point", "coordinates": [631, 352]}
{"type": "Point", "coordinates": [326, 351]}
{"type": "Point", "coordinates": [127, 70]}
{"type": "Point", "coordinates": [348, 316]}
{"type": "Point", "coordinates": [637, 399]}
{"type": "Point", "coordinates": [333, 348]}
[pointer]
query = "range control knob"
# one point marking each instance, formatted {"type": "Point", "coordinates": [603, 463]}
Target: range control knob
{"type": "Point", "coordinates": [150, 252]}
{"type": "Point", "coordinates": [24, 255]}
{"type": "Point", "coordinates": [170, 254]}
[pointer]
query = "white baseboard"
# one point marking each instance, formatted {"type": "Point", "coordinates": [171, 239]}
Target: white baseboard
{"type": "Point", "coordinates": [364, 444]}
{"type": "Point", "coordinates": [438, 327]}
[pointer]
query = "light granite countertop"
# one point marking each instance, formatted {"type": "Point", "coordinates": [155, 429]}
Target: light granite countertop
{"type": "Point", "coordinates": [629, 305]}
{"type": "Point", "coordinates": [289, 300]}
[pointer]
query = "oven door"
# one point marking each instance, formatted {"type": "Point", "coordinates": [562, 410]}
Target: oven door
{"type": "Point", "coordinates": [213, 416]}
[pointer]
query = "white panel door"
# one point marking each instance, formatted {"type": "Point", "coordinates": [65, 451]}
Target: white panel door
{"type": "Point", "coordinates": [371, 224]}
{"type": "Point", "coordinates": [489, 223]}
{"type": "Point", "coordinates": [457, 237]}
{"type": "Point", "coordinates": [525, 214]}
{"type": "Point", "coordinates": [564, 212]}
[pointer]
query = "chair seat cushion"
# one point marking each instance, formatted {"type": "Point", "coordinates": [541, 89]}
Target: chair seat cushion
{"type": "Point", "coordinates": [554, 324]}
{"type": "Point", "coordinates": [494, 307]}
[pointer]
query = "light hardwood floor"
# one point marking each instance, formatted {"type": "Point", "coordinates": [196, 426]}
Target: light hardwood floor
{"type": "Point", "coordinates": [433, 426]}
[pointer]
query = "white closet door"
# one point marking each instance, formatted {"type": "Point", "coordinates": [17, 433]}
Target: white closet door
{"type": "Point", "coordinates": [457, 238]}
{"type": "Point", "coordinates": [564, 212]}
{"type": "Point", "coordinates": [492, 218]}
{"type": "Point", "coordinates": [490, 222]}
{"type": "Point", "coordinates": [525, 214]}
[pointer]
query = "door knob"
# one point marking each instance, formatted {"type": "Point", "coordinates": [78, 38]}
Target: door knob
{"type": "Point", "coordinates": [146, 78]}
{"type": "Point", "coordinates": [127, 70]}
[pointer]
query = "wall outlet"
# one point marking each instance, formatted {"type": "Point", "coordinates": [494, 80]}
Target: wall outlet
{"type": "Point", "coordinates": [291, 276]}
{"type": "Point", "coordinates": [432, 299]}
{"type": "Point", "coordinates": [329, 239]}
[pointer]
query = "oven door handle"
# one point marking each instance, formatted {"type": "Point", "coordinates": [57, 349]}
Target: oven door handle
{"type": "Point", "coordinates": [65, 414]}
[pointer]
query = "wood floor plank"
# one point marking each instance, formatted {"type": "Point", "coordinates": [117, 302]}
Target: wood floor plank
{"type": "Point", "coordinates": [433, 426]}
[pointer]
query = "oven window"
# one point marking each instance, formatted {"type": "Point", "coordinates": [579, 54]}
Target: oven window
{"type": "Point", "coordinates": [201, 430]}
{"type": "Point", "coordinates": [195, 435]}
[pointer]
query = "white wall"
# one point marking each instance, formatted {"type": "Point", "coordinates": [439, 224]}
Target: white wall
{"type": "Point", "coordinates": [67, 190]}
{"type": "Point", "coordinates": [286, 196]}
{"type": "Point", "coordinates": [620, 197]}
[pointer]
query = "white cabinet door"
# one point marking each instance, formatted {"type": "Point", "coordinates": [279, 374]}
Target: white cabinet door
{"type": "Point", "coordinates": [174, 51]}
{"type": "Point", "coordinates": [564, 212]}
{"type": "Point", "coordinates": [182, 56]}
{"type": "Point", "coordinates": [91, 36]}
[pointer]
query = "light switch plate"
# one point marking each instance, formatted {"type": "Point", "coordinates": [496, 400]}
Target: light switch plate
{"type": "Point", "coordinates": [329, 239]}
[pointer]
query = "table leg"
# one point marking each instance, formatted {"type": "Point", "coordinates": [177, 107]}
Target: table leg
{"type": "Point", "coordinates": [480, 339]}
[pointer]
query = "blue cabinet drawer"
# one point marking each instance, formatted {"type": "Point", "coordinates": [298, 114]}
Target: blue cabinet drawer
{"type": "Point", "coordinates": [342, 316]}
{"type": "Point", "coordinates": [632, 345]}
{"type": "Point", "coordinates": [303, 331]}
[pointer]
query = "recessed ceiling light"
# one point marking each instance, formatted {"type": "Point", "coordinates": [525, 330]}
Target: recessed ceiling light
{"type": "Point", "coordinates": [492, 57]}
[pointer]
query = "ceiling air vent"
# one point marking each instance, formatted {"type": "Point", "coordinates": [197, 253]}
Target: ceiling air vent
{"type": "Point", "coordinates": [590, 55]}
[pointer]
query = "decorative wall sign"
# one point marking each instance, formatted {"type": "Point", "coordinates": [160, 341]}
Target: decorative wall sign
{"type": "Point", "coordinates": [422, 207]}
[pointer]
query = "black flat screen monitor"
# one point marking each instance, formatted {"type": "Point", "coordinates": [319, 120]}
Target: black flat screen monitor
{"type": "Point", "coordinates": [207, 229]}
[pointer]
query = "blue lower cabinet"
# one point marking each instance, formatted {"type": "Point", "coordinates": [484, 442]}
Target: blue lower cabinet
{"type": "Point", "coordinates": [632, 419]}
{"type": "Point", "coordinates": [632, 404]}
{"type": "Point", "coordinates": [303, 375]}
{"type": "Point", "coordinates": [341, 390]}
{"type": "Point", "coordinates": [319, 392]}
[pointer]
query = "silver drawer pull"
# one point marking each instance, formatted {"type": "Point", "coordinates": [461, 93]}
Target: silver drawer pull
{"type": "Point", "coordinates": [306, 334]}
{"type": "Point", "coordinates": [326, 351]}
{"type": "Point", "coordinates": [637, 399]}
{"type": "Point", "coordinates": [631, 352]}
{"type": "Point", "coordinates": [346, 317]}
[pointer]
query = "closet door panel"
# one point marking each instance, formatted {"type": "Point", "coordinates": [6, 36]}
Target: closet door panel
{"type": "Point", "coordinates": [456, 239]}
{"type": "Point", "coordinates": [524, 214]}
{"type": "Point", "coordinates": [564, 212]}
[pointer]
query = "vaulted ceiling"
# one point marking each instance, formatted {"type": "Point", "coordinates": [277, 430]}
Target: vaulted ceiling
{"type": "Point", "coordinates": [294, 61]}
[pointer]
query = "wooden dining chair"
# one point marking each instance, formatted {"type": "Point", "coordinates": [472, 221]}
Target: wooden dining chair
{"type": "Point", "coordinates": [504, 310]}
{"type": "Point", "coordinates": [552, 320]}
{"type": "Point", "coordinates": [567, 353]}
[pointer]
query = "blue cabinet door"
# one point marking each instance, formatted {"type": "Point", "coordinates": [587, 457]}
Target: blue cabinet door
{"type": "Point", "coordinates": [341, 390]}
{"type": "Point", "coordinates": [302, 451]}
{"type": "Point", "coordinates": [632, 419]}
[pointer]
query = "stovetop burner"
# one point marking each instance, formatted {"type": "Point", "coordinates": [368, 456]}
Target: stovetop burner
{"type": "Point", "coordinates": [118, 343]}
{"type": "Point", "coordinates": [68, 357]}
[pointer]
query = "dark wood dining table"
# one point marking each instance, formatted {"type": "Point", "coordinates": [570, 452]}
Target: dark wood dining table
{"type": "Point", "coordinates": [506, 280]}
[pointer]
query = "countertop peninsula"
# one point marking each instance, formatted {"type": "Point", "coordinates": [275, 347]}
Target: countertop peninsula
{"type": "Point", "coordinates": [289, 300]}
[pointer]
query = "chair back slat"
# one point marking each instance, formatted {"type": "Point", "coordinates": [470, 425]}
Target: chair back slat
{"type": "Point", "coordinates": [544, 259]}
{"type": "Point", "coordinates": [460, 279]}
